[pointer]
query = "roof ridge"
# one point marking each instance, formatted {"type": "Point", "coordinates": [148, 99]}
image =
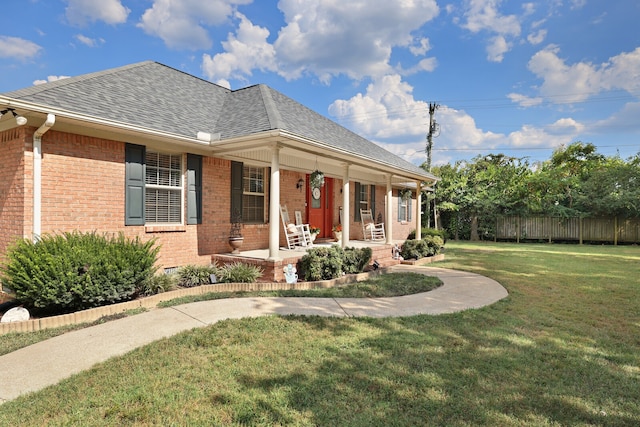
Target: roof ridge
{"type": "Point", "coordinates": [273, 114]}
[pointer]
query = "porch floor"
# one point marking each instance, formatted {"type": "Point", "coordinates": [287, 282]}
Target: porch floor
{"type": "Point", "coordinates": [273, 269]}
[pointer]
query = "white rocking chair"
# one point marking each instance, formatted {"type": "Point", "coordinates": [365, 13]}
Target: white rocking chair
{"type": "Point", "coordinates": [370, 229]}
{"type": "Point", "coordinates": [297, 235]}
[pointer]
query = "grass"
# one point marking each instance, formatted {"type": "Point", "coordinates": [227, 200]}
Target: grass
{"type": "Point", "coordinates": [562, 349]}
{"type": "Point", "coordinates": [386, 285]}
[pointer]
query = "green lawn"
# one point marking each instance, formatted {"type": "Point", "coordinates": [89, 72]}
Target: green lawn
{"type": "Point", "coordinates": [562, 349]}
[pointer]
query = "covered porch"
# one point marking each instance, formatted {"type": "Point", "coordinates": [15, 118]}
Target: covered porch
{"type": "Point", "coordinates": [352, 181]}
{"type": "Point", "coordinates": [382, 252]}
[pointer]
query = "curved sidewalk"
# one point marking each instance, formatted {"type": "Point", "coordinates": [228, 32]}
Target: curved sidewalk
{"type": "Point", "coordinates": [48, 362]}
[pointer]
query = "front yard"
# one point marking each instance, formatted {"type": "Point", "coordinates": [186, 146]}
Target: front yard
{"type": "Point", "coordinates": [562, 349]}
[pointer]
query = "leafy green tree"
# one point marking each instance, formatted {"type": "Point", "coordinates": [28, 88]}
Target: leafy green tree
{"type": "Point", "coordinates": [612, 189]}
{"type": "Point", "coordinates": [481, 189]}
{"type": "Point", "coordinates": [556, 185]}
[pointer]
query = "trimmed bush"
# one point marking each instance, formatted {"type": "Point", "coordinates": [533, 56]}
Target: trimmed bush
{"type": "Point", "coordinates": [330, 263]}
{"type": "Point", "coordinates": [428, 232]}
{"type": "Point", "coordinates": [416, 249]}
{"type": "Point", "coordinates": [74, 271]}
{"type": "Point", "coordinates": [355, 260]}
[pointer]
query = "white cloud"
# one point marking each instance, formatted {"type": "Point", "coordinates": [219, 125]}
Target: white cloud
{"type": "Point", "coordinates": [578, 4]}
{"type": "Point", "coordinates": [483, 15]}
{"type": "Point", "coordinates": [420, 47]}
{"type": "Point", "coordinates": [49, 79]}
{"type": "Point", "coordinates": [524, 101]}
{"type": "Point", "coordinates": [563, 131]}
{"type": "Point", "coordinates": [181, 23]}
{"type": "Point", "coordinates": [248, 49]}
{"type": "Point", "coordinates": [15, 47]}
{"type": "Point", "coordinates": [386, 110]}
{"type": "Point", "coordinates": [327, 38]}
{"type": "Point", "coordinates": [564, 83]}
{"type": "Point", "coordinates": [496, 48]}
{"type": "Point", "coordinates": [87, 41]}
{"type": "Point", "coordinates": [537, 37]}
{"type": "Point", "coordinates": [79, 12]}
{"type": "Point", "coordinates": [625, 120]}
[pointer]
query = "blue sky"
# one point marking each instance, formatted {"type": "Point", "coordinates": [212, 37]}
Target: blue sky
{"type": "Point", "coordinates": [520, 78]}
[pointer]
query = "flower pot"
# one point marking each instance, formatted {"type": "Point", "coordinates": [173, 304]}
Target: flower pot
{"type": "Point", "coordinates": [313, 237]}
{"type": "Point", "coordinates": [338, 235]}
{"type": "Point", "coordinates": [236, 244]}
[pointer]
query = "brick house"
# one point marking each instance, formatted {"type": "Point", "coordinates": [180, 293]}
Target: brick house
{"type": "Point", "coordinates": [153, 152]}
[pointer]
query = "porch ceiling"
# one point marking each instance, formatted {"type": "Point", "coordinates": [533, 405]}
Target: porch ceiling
{"type": "Point", "coordinates": [303, 155]}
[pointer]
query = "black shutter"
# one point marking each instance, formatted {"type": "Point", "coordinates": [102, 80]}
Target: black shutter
{"type": "Point", "coordinates": [134, 157]}
{"type": "Point", "coordinates": [194, 189]}
{"type": "Point", "coordinates": [409, 210]}
{"type": "Point", "coordinates": [372, 203]}
{"type": "Point", "coordinates": [399, 207]}
{"type": "Point", "coordinates": [236, 191]}
{"type": "Point", "coordinates": [356, 214]}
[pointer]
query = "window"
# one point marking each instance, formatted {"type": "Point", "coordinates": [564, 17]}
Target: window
{"type": "Point", "coordinates": [248, 188]}
{"type": "Point", "coordinates": [154, 187]}
{"type": "Point", "coordinates": [365, 199]}
{"type": "Point", "coordinates": [163, 188]}
{"type": "Point", "coordinates": [253, 194]}
{"type": "Point", "coordinates": [404, 208]}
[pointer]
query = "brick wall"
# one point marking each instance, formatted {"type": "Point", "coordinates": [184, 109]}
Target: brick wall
{"type": "Point", "coordinates": [83, 185]}
{"type": "Point", "coordinates": [15, 201]}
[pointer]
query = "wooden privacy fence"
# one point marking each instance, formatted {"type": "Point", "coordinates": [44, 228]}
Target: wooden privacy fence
{"type": "Point", "coordinates": [614, 230]}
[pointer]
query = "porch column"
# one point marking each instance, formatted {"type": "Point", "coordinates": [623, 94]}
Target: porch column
{"type": "Point", "coordinates": [274, 205]}
{"type": "Point", "coordinates": [418, 210]}
{"type": "Point", "coordinates": [389, 216]}
{"type": "Point", "coordinates": [346, 215]}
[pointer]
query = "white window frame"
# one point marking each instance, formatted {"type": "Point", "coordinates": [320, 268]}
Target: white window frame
{"type": "Point", "coordinates": [169, 188]}
{"type": "Point", "coordinates": [248, 174]}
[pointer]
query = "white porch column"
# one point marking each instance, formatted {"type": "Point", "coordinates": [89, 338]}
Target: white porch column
{"type": "Point", "coordinates": [346, 214]}
{"type": "Point", "coordinates": [418, 210]}
{"type": "Point", "coordinates": [388, 227]}
{"type": "Point", "coordinates": [274, 205]}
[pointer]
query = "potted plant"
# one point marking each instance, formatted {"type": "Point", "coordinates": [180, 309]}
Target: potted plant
{"type": "Point", "coordinates": [235, 234]}
{"type": "Point", "coordinates": [405, 194]}
{"type": "Point", "coordinates": [337, 232]}
{"type": "Point", "coordinates": [316, 179]}
{"type": "Point", "coordinates": [314, 233]}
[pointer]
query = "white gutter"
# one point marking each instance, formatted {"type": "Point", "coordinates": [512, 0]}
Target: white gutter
{"type": "Point", "coordinates": [37, 174]}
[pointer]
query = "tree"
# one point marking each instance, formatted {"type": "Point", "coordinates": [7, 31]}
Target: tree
{"type": "Point", "coordinates": [481, 189]}
{"type": "Point", "coordinates": [612, 189]}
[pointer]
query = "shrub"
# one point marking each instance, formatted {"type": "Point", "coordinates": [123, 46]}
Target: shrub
{"type": "Point", "coordinates": [355, 260]}
{"type": "Point", "coordinates": [425, 232]}
{"type": "Point", "coordinates": [157, 284]}
{"type": "Point", "coordinates": [73, 271]}
{"type": "Point", "coordinates": [239, 272]}
{"type": "Point", "coordinates": [416, 249]}
{"type": "Point", "coordinates": [330, 263]}
{"type": "Point", "coordinates": [195, 275]}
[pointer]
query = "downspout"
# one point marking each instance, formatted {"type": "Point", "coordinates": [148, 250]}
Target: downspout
{"type": "Point", "coordinates": [37, 174]}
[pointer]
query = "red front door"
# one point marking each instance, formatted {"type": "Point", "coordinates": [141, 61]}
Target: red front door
{"type": "Point", "coordinates": [320, 207]}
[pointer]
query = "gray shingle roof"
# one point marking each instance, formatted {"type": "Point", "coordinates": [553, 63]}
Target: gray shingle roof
{"type": "Point", "coordinates": [152, 95]}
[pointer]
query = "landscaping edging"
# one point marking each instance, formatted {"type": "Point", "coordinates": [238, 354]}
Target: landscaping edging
{"type": "Point", "coordinates": [93, 314]}
{"type": "Point", "coordinates": [423, 261]}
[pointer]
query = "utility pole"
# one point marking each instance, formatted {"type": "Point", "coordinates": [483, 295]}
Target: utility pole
{"type": "Point", "coordinates": [434, 130]}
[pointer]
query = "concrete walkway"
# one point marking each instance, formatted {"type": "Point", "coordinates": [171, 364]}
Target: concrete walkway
{"type": "Point", "coordinates": [48, 362]}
